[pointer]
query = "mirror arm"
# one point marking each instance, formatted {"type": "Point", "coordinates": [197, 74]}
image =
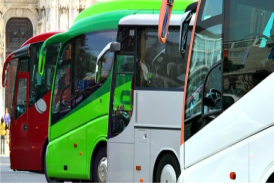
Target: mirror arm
{"type": "Point", "coordinates": [112, 47]}
{"type": "Point", "coordinates": [189, 11]}
{"type": "Point", "coordinates": [184, 30]}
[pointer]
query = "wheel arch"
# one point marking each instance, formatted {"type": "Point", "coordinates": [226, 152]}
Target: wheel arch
{"type": "Point", "coordinates": [46, 142]}
{"type": "Point", "coordinates": [160, 156]}
{"type": "Point", "coordinates": [100, 143]}
{"type": "Point", "coordinates": [268, 175]}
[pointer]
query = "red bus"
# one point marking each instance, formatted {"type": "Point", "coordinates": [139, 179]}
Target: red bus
{"type": "Point", "coordinates": [31, 102]}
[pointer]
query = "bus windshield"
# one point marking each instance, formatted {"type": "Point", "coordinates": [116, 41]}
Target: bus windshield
{"type": "Point", "coordinates": [143, 63]}
{"type": "Point", "coordinates": [74, 80]}
{"type": "Point", "coordinates": [40, 85]}
{"type": "Point", "coordinates": [232, 52]}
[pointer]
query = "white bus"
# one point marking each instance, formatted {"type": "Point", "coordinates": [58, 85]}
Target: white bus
{"type": "Point", "coordinates": [145, 102]}
{"type": "Point", "coordinates": [227, 123]}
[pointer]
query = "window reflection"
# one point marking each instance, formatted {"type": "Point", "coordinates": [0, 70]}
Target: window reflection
{"type": "Point", "coordinates": [123, 93]}
{"type": "Point", "coordinates": [246, 49]}
{"type": "Point", "coordinates": [206, 51]}
{"type": "Point", "coordinates": [40, 85]}
{"type": "Point", "coordinates": [75, 76]}
{"type": "Point", "coordinates": [249, 48]}
{"type": "Point", "coordinates": [159, 65]}
{"type": "Point", "coordinates": [201, 106]}
{"type": "Point", "coordinates": [21, 99]}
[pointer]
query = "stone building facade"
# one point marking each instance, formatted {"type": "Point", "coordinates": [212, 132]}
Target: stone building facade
{"type": "Point", "coordinates": [22, 19]}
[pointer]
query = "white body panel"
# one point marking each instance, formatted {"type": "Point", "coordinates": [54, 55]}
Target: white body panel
{"type": "Point", "coordinates": [249, 115]}
{"type": "Point", "coordinates": [217, 168]}
{"type": "Point", "coordinates": [239, 140]}
{"type": "Point", "coordinates": [154, 131]}
{"type": "Point", "coordinates": [121, 159]}
{"type": "Point", "coordinates": [161, 126]}
{"type": "Point", "coordinates": [159, 108]}
{"type": "Point", "coordinates": [144, 20]}
{"type": "Point", "coordinates": [261, 155]}
{"type": "Point", "coordinates": [154, 128]}
{"type": "Point", "coordinates": [123, 156]}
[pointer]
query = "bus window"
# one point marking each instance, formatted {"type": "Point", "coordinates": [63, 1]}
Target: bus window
{"type": "Point", "coordinates": [212, 8]}
{"type": "Point", "coordinates": [122, 103]}
{"type": "Point", "coordinates": [249, 44]}
{"type": "Point", "coordinates": [159, 65]}
{"type": "Point", "coordinates": [212, 94]}
{"type": "Point", "coordinates": [23, 65]}
{"type": "Point", "coordinates": [87, 47]}
{"type": "Point", "coordinates": [203, 73]}
{"type": "Point", "coordinates": [21, 98]}
{"type": "Point", "coordinates": [40, 85]}
{"type": "Point", "coordinates": [61, 91]}
{"type": "Point", "coordinates": [74, 81]}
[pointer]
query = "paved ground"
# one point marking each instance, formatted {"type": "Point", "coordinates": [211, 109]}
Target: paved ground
{"type": "Point", "coordinates": [8, 175]}
{"type": "Point", "coordinates": [7, 151]}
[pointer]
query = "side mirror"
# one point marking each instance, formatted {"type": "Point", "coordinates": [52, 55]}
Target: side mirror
{"type": "Point", "coordinates": [112, 47]}
{"type": "Point", "coordinates": [98, 72]}
{"type": "Point", "coordinates": [42, 64]}
{"type": "Point", "coordinates": [5, 76]}
{"type": "Point", "coordinates": [42, 58]}
{"type": "Point", "coordinates": [184, 27]}
{"type": "Point", "coordinates": [164, 18]}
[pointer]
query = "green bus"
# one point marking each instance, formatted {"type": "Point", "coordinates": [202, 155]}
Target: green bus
{"type": "Point", "coordinates": [79, 106]}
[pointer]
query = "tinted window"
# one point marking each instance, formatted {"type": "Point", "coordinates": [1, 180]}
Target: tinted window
{"type": "Point", "coordinates": [159, 65]}
{"type": "Point", "coordinates": [21, 99]}
{"type": "Point", "coordinates": [249, 44]}
{"type": "Point", "coordinates": [206, 53]}
{"type": "Point", "coordinates": [87, 48]}
{"type": "Point", "coordinates": [74, 81]}
{"type": "Point", "coordinates": [61, 90]}
{"type": "Point", "coordinates": [40, 85]}
{"type": "Point", "coordinates": [23, 67]}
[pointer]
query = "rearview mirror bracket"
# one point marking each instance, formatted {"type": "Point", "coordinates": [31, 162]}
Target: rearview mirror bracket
{"type": "Point", "coordinates": [110, 47]}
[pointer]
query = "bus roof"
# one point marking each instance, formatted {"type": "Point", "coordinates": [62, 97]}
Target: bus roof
{"type": "Point", "coordinates": [103, 21]}
{"type": "Point", "coordinates": [136, 5]}
{"type": "Point", "coordinates": [148, 20]}
{"type": "Point", "coordinates": [39, 38]}
{"type": "Point", "coordinates": [24, 49]}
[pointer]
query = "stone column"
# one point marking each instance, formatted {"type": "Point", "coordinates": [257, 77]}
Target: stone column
{"type": "Point", "coordinates": [2, 55]}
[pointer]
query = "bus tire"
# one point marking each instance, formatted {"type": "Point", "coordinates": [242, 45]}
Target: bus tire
{"type": "Point", "coordinates": [167, 169]}
{"type": "Point", "coordinates": [99, 173]}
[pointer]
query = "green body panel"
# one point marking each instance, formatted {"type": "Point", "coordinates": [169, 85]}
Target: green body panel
{"type": "Point", "coordinates": [94, 140]}
{"type": "Point", "coordinates": [67, 154]}
{"type": "Point", "coordinates": [136, 5]}
{"type": "Point", "coordinates": [83, 127]}
{"type": "Point", "coordinates": [86, 125]}
{"type": "Point", "coordinates": [96, 105]}
{"type": "Point", "coordinates": [86, 137]}
{"type": "Point", "coordinates": [122, 93]}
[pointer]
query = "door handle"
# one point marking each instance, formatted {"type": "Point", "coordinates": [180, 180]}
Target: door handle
{"type": "Point", "coordinates": [24, 127]}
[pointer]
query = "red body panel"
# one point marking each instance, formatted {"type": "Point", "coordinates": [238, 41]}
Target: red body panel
{"type": "Point", "coordinates": [40, 38]}
{"type": "Point", "coordinates": [29, 131]}
{"type": "Point", "coordinates": [18, 135]}
{"type": "Point", "coordinates": [37, 133]}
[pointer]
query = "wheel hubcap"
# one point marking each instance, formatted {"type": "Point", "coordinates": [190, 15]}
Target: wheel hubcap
{"type": "Point", "coordinates": [168, 174]}
{"type": "Point", "coordinates": [102, 170]}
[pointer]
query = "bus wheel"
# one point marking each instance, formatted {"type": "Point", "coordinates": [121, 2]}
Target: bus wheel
{"type": "Point", "coordinates": [168, 169]}
{"type": "Point", "coordinates": [100, 166]}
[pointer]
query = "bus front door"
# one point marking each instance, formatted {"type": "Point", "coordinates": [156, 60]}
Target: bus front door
{"type": "Point", "coordinates": [19, 125]}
